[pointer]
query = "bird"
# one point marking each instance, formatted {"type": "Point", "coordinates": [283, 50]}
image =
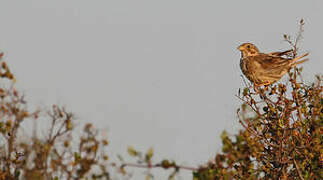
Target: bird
{"type": "Point", "coordinates": [266, 69]}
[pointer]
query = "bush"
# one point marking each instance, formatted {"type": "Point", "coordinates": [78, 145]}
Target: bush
{"type": "Point", "coordinates": [282, 135]}
{"type": "Point", "coordinates": [50, 156]}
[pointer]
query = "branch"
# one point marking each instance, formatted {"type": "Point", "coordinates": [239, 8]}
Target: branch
{"type": "Point", "coordinates": [250, 105]}
{"type": "Point", "coordinates": [298, 171]}
{"type": "Point", "coordinates": [159, 166]}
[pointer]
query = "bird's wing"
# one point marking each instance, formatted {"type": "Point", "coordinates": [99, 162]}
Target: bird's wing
{"type": "Point", "coordinates": [269, 62]}
{"type": "Point", "coordinates": [279, 53]}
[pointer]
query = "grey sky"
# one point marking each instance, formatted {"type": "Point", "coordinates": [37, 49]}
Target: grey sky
{"type": "Point", "coordinates": [159, 74]}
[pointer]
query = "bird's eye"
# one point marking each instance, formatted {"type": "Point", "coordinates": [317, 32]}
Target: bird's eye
{"type": "Point", "coordinates": [248, 46]}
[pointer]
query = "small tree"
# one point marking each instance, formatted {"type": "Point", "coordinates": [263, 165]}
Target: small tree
{"type": "Point", "coordinates": [282, 135]}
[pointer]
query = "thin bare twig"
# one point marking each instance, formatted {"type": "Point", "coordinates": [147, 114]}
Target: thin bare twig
{"type": "Point", "coordinates": [250, 105]}
{"type": "Point", "coordinates": [158, 166]}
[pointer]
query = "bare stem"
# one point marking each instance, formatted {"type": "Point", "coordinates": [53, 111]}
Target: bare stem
{"type": "Point", "coordinates": [158, 166]}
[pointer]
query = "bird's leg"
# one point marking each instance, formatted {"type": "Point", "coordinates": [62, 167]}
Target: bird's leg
{"type": "Point", "coordinates": [256, 88]}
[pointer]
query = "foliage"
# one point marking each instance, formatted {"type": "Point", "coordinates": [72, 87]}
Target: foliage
{"type": "Point", "coordinates": [50, 156]}
{"type": "Point", "coordinates": [281, 140]}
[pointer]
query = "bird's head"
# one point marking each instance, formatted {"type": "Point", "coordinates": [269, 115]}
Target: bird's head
{"type": "Point", "coordinates": [248, 49]}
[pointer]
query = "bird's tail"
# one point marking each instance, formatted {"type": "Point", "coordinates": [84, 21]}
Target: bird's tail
{"type": "Point", "coordinates": [295, 61]}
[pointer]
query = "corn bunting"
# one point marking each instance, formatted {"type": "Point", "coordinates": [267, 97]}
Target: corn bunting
{"type": "Point", "coordinates": [265, 69]}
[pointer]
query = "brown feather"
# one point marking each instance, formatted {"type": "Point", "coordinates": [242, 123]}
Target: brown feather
{"type": "Point", "coordinates": [264, 69]}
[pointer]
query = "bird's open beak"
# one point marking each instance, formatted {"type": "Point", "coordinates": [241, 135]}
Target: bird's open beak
{"type": "Point", "coordinates": [240, 48]}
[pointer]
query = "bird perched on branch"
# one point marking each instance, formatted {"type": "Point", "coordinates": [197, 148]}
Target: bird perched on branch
{"type": "Point", "coordinates": [265, 69]}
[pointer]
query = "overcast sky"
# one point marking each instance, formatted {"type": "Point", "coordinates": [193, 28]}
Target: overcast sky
{"type": "Point", "coordinates": [159, 74]}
